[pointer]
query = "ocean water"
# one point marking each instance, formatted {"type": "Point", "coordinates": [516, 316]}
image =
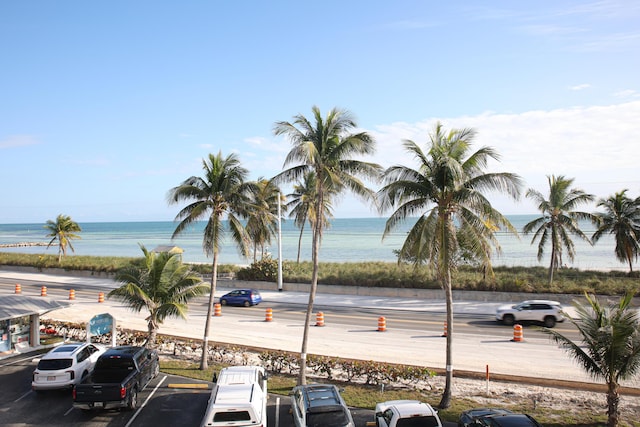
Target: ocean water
{"type": "Point", "coordinates": [346, 240]}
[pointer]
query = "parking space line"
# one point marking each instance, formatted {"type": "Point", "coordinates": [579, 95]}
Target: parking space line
{"type": "Point", "coordinates": [145, 401]}
{"type": "Point", "coordinates": [277, 412]}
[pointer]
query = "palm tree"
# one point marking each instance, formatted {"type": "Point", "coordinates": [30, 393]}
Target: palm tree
{"type": "Point", "coordinates": [221, 192]}
{"type": "Point", "coordinates": [302, 202]}
{"type": "Point", "coordinates": [163, 286]}
{"type": "Point", "coordinates": [325, 148]}
{"type": "Point", "coordinates": [559, 219]}
{"type": "Point", "coordinates": [610, 347]}
{"type": "Point", "coordinates": [621, 218]}
{"type": "Point", "coordinates": [446, 192]}
{"type": "Point", "coordinates": [63, 229]}
{"type": "Point", "coordinates": [262, 223]}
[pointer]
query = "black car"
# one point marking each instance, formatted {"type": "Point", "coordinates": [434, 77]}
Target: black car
{"type": "Point", "coordinates": [505, 420]}
{"type": "Point", "coordinates": [467, 418]}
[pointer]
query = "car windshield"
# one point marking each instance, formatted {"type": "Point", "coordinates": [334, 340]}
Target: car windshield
{"type": "Point", "coordinates": [327, 419]}
{"type": "Point", "coordinates": [54, 364]}
{"type": "Point", "coordinates": [424, 421]}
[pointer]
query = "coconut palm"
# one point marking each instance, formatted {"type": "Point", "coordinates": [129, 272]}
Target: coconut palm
{"type": "Point", "coordinates": [445, 192]}
{"type": "Point", "coordinates": [302, 202]}
{"type": "Point", "coordinates": [221, 193]}
{"type": "Point", "coordinates": [63, 230]}
{"type": "Point", "coordinates": [559, 219]}
{"type": "Point", "coordinates": [610, 347]}
{"type": "Point", "coordinates": [262, 223]}
{"type": "Point", "coordinates": [163, 286]}
{"type": "Point", "coordinates": [326, 147]}
{"type": "Point", "coordinates": [621, 218]}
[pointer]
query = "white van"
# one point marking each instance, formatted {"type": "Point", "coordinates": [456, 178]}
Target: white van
{"type": "Point", "coordinates": [238, 398]}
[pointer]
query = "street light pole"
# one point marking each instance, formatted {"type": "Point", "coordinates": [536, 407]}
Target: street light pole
{"type": "Point", "coordinates": [279, 247]}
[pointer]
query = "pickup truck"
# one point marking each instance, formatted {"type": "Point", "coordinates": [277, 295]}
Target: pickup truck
{"type": "Point", "coordinates": [405, 413]}
{"type": "Point", "coordinates": [119, 375]}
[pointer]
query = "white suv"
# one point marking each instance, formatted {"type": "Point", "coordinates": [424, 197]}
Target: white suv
{"type": "Point", "coordinates": [542, 311]}
{"type": "Point", "coordinates": [65, 366]}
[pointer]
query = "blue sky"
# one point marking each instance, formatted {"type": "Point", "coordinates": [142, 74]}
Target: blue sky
{"type": "Point", "coordinates": [105, 106]}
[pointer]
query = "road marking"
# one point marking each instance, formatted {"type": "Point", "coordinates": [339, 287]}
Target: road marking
{"type": "Point", "coordinates": [145, 401]}
{"type": "Point", "coordinates": [190, 385]}
{"type": "Point", "coordinates": [18, 361]}
{"type": "Point", "coordinates": [277, 412]}
{"type": "Point", "coordinates": [23, 396]}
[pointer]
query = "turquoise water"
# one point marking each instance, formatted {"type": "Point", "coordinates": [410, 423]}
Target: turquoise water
{"type": "Point", "coordinates": [347, 240]}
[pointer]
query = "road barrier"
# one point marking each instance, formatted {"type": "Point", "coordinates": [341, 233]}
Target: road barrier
{"type": "Point", "coordinates": [268, 316]}
{"type": "Point", "coordinates": [217, 309]}
{"type": "Point", "coordinates": [101, 297]}
{"type": "Point", "coordinates": [72, 294]}
{"type": "Point", "coordinates": [517, 333]}
{"type": "Point", "coordinates": [18, 288]}
{"type": "Point", "coordinates": [382, 324]}
{"type": "Point", "coordinates": [320, 319]}
{"type": "Point", "coordinates": [43, 291]}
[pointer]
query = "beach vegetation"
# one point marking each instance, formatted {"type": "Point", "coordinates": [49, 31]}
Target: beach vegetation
{"type": "Point", "coordinates": [327, 147]}
{"type": "Point", "coordinates": [621, 218]}
{"type": "Point", "coordinates": [446, 192]}
{"type": "Point", "coordinates": [559, 220]}
{"type": "Point", "coordinates": [221, 193]}
{"type": "Point", "coordinates": [163, 287]}
{"type": "Point", "coordinates": [262, 222]}
{"type": "Point", "coordinates": [63, 230]}
{"type": "Point", "coordinates": [610, 346]}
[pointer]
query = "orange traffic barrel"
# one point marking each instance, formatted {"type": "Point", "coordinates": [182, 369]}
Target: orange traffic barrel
{"type": "Point", "coordinates": [72, 294]}
{"type": "Point", "coordinates": [320, 319]}
{"type": "Point", "coordinates": [217, 309]}
{"type": "Point", "coordinates": [268, 316]}
{"type": "Point", "coordinates": [382, 324]}
{"type": "Point", "coordinates": [444, 331]}
{"type": "Point", "coordinates": [517, 333]}
{"type": "Point", "coordinates": [18, 288]}
{"type": "Point", "coordinates": [43, 291]}
{"type": "Point", "coordinates": [101, 297]}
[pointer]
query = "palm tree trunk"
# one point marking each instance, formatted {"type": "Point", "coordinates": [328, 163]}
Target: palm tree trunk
{"type": "Point", "coordinates": [553, 263]}
{"type": "Point", "coordinates": [300, 243]}
{"type": "Point", "coordinates": [613, 400]}
{"type": "Point", "coordinates": [153, 333]}
{"type": "Point", "coordinates": [204, 362]}
{"type": "Point", "coordinates": [445, 401]}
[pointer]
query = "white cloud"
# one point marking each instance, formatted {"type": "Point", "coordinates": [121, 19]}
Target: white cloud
{"type": "Point", "coordinates": [13, 141]}
{"type": "Point", "coordinates": [628, 93]}
{"type": "Point", "coordinates": [580, 87]}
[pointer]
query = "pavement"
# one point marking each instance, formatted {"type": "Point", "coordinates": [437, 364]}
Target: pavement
{"type": "Point", "coordinates": [497, 353]}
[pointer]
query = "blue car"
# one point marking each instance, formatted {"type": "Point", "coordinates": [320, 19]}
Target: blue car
{"type": "Point", "coordinates": [241, 297]}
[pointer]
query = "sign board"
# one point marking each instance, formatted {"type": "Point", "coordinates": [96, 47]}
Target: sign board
{"type": "Point", "coordinates": [101, 324]}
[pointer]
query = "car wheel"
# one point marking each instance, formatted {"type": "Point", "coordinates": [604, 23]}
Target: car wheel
{"type": "Point", "coordinates": [133, 399]}
{"type": "Point", "coordinates": [508, 319]}
{"type": "Point", "coordinates": [549, 321]}
{"type": "Point", "coordinates": [246, 304]}
{"type": "Point", "coordinates": [223, 302]}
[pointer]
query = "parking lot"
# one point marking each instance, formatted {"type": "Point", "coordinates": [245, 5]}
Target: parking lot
{"type": "Point", "coordinates": [168, 401]}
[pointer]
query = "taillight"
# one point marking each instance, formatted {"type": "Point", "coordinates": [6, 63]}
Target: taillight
{"type": "Point", "coordinates": [123, 392]}
{"type": "Point", "coordinates": [72, 375]}
{"type": "Point", "coordinates": [73, 393]}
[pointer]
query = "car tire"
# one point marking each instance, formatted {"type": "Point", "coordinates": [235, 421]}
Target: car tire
{"type": "Point", "coordinates": [549, 321]}
{"type": "Point", "coordinates": [508, 319]}
{"type": "Point", "coordinates": [223, 302]}
{"type": "Point", "coordinates": [133, 399]}
{"type": "Point", "coordinates": [247, 304]}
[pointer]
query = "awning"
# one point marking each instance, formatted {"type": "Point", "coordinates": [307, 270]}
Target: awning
{"type": "Point", "coordinates": [12, 306]}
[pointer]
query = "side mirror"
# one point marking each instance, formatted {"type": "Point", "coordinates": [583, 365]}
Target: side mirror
{"type": "Point", "coordinates": [215, 377]}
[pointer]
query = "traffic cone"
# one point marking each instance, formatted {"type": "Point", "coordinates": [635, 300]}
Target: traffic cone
{"type": "Point", "coordinates": [320, 319]}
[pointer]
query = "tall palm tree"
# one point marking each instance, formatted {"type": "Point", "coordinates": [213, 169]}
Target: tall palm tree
{"type": "Point", "coordinates": [302, 204]}
{"type": "Point", "coordinates": [326, 147]}
{"type": "Point", "coordinates": [221, 193]}
{"type": "Point", "coordinates": [163, 286]}
{"type": "Point", "coordinates": [621, 218]}
{"type": "Point", "coordinates": [262, 223]}
{"type": "Point", "coordinates": [63, 230]}
{"type": "Point", "coordinates": [445, 191]}
{"type": "Point", "coordinates": [559, 219]}
{"type": "Point", "coordinates": [610, 347]}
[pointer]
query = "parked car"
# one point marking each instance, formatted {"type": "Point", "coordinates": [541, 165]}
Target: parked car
{"type": "Point", "coordinates": [506, 420]}
{"type": "Point", "coordinates": [540, 311]}
{"type": "Point", "coordinates": [319, 405]}
{"type": "Point", "coordinates": [242, 297]}
{"type": "Point", "coordinates": [65, 366]}
{"type": "Point", "coordinates": [405, 413]}
{"type": "Point", "coordinates": [467, 418]}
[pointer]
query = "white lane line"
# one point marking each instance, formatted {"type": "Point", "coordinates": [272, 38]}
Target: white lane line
{"type": "Point", "coordinates": [277, 412]}
{"type": "Point", "coordinates": [145, 401]}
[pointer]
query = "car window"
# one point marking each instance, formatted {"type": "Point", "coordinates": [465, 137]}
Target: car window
{"type": "Point", "coordinates": [82, 355]}
{"type": "Point", "coordinates": [387, 415]}
{"type": "Point", "coordinates": [54, 364]}
{"type": "Point", "coordinates": [327, 419]}
{"type": "Point", "coordinates": [424, 421]}
{"type": "Point", "coordinates": [524, 307]}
